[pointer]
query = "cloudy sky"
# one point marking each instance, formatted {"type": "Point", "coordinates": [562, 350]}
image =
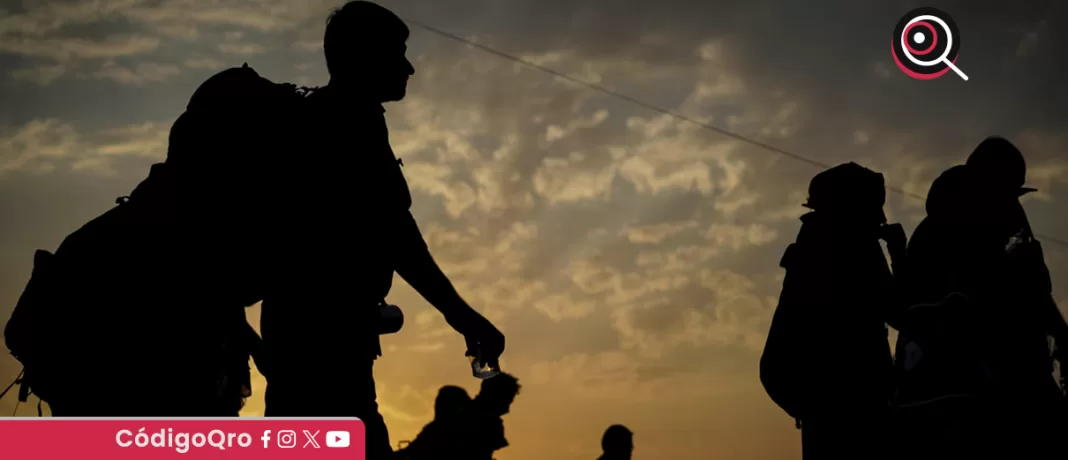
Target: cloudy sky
{"type": "Point", "coordinates": [630, 258]}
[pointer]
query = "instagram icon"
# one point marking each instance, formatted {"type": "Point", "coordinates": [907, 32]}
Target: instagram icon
{"type": "Point", "coordinates": [287, 439]}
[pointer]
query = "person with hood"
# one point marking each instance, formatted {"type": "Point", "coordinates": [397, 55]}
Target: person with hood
{"type": "Point", "coordinates": [827, 360]}
{"type": "Point", "coordinates": [976, 372]}
{"type": "Point", "coordinates": [1015, 305]}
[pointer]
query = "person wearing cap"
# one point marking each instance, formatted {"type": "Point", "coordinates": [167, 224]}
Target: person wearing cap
{"type": "Point", "coordinates": [827, 360]}
{"type": "Point", "coordinates": [976, 243]}
{"type": "Point", "coordinates": [1019, 306]}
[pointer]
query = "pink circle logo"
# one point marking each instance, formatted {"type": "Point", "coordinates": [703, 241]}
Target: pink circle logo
{"type": "Point", "coordinates": [925, 44]}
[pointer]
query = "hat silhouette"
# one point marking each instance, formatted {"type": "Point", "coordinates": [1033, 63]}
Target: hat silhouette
{"type": "Point", "coordinates": [1000, 166]}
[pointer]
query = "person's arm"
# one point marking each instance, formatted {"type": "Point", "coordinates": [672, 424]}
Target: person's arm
{"type": "Point", "coordinates": [418, 268]}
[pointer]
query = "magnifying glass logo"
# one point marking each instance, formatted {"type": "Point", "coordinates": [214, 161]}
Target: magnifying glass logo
{"type": "Point", "coordinates": [925, 44]}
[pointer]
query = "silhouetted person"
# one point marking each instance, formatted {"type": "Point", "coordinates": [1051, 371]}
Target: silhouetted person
{"type": "Point", "coordinates": [436, 438]}
{"type": "Point", "coordinates": [978, 376]}
{"type": "Point", "coordinates": [827, 361]}
{"type": "Point", "coordinates": [1016, 306]}
{"type": "Point", "coordinates": [940, 375]}
{"type": "Point", "coordinates": [342, 233]}
{"type": "Point", "coordinates": [617, 443]}
{"type": "Point", "coordinates": [481, 422]}
{"type": "Point", "coordinates": [477, 429]}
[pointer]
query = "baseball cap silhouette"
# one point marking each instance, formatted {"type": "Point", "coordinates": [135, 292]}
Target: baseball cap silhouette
{"type": "Point", "coordinates": [999, 166]}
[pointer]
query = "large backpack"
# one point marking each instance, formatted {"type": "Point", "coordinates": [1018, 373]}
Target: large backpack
{"type": "Point", "coordinates": [126, 284]}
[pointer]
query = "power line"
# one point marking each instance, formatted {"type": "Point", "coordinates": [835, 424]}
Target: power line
{"type": "Point", "coordinates": [671, 113]}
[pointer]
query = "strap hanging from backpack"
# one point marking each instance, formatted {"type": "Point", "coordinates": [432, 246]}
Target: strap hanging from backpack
{"type": "Point", "coordinates": [18, 380]}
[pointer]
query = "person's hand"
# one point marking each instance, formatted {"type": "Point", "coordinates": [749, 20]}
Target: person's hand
{"type": "Point", "coordinates": [482, 336]}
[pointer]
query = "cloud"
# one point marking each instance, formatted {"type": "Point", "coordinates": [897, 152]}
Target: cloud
{"type": "Point", "coordinates": [143, 73]}
{"type": "Point", "coordinates": [42, 145]}
{"type": "Point", "coordinates": [558, 182]}
{"type": "Point", "coordinates": [204, 62]}
{"type": "Point", "coordinates": [434, 180]}
{"type": "Point", "coordinates": [43, 75]}
{"type": "Point", "coordinates": [737, 237]}
{"type": "Point", "coordinates": [730, 311]}
{"type": "Point", "coordinates": [656, 233]}
{"type": "Point", "coordinates": [37, 142]}
{"type": "Point", "coordinates": [66, 49]}
{"type": "Point", "coordinates": [241, 48]}
{"type": "Point", "coordinates": [609, 375]}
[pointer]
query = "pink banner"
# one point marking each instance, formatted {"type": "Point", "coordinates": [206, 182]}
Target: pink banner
{"type": "Point", "coordinates": [51, 438]}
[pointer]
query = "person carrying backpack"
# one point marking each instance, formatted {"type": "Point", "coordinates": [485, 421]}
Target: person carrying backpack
{"type": "Point", "coordinates": [827, 360]}
{"type": "Point", "coordinates": [342, 232]}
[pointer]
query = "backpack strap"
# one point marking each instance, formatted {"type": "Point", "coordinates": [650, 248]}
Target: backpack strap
{"type": "Point", "coordinates": [17, 381]}
{"type": "Point", "coordinates": [24, 388]}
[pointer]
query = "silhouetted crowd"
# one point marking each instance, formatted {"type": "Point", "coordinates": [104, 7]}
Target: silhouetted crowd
{"type": "Point", "coordinates": [292, 197]}
{"type": "Point", "coordinates": [969, 294]}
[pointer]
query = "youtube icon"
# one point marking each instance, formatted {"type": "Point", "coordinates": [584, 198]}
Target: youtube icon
{"type": "Point", "coordinates": [337, 439]}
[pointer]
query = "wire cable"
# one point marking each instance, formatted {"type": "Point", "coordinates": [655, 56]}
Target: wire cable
{"type": "Point", "coordinates": [671, 113]}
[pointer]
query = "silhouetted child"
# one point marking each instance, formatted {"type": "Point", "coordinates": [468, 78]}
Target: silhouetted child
{"type": "Point", "coordinates": [483, 426]}
{"type": "Point", "coordinates": [476, 432]}
{"type": "Point", "coordinates": [617, 443]}
{"type": "Point", "coordinates": [436, 435]}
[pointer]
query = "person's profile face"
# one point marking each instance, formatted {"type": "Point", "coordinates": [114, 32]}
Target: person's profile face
{"type": "Point", "coordinates": [392, 71]}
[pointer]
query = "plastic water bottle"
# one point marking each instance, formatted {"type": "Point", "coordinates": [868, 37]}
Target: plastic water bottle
{"type": "Point", "coordinates": [479, 369]}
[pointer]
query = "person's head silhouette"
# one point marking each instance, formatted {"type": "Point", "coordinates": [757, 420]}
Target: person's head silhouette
{"type": "Point", "coordinates": [451, 399]}
{"type": "Point", "coordinates": [1000, 166]}
{"type": "Point", "coordinates": [617, 443]}
{"type": "Point", "coordinates": [951, 196]}
{"type": "Point", "coordinates": [365, 45]}
{"type": "Point", "coordinates": [1000, 172]}
{"type": "Point", "coordinates": [497, 393]}
{"type": "Point", "coordinates": [849, 194]}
